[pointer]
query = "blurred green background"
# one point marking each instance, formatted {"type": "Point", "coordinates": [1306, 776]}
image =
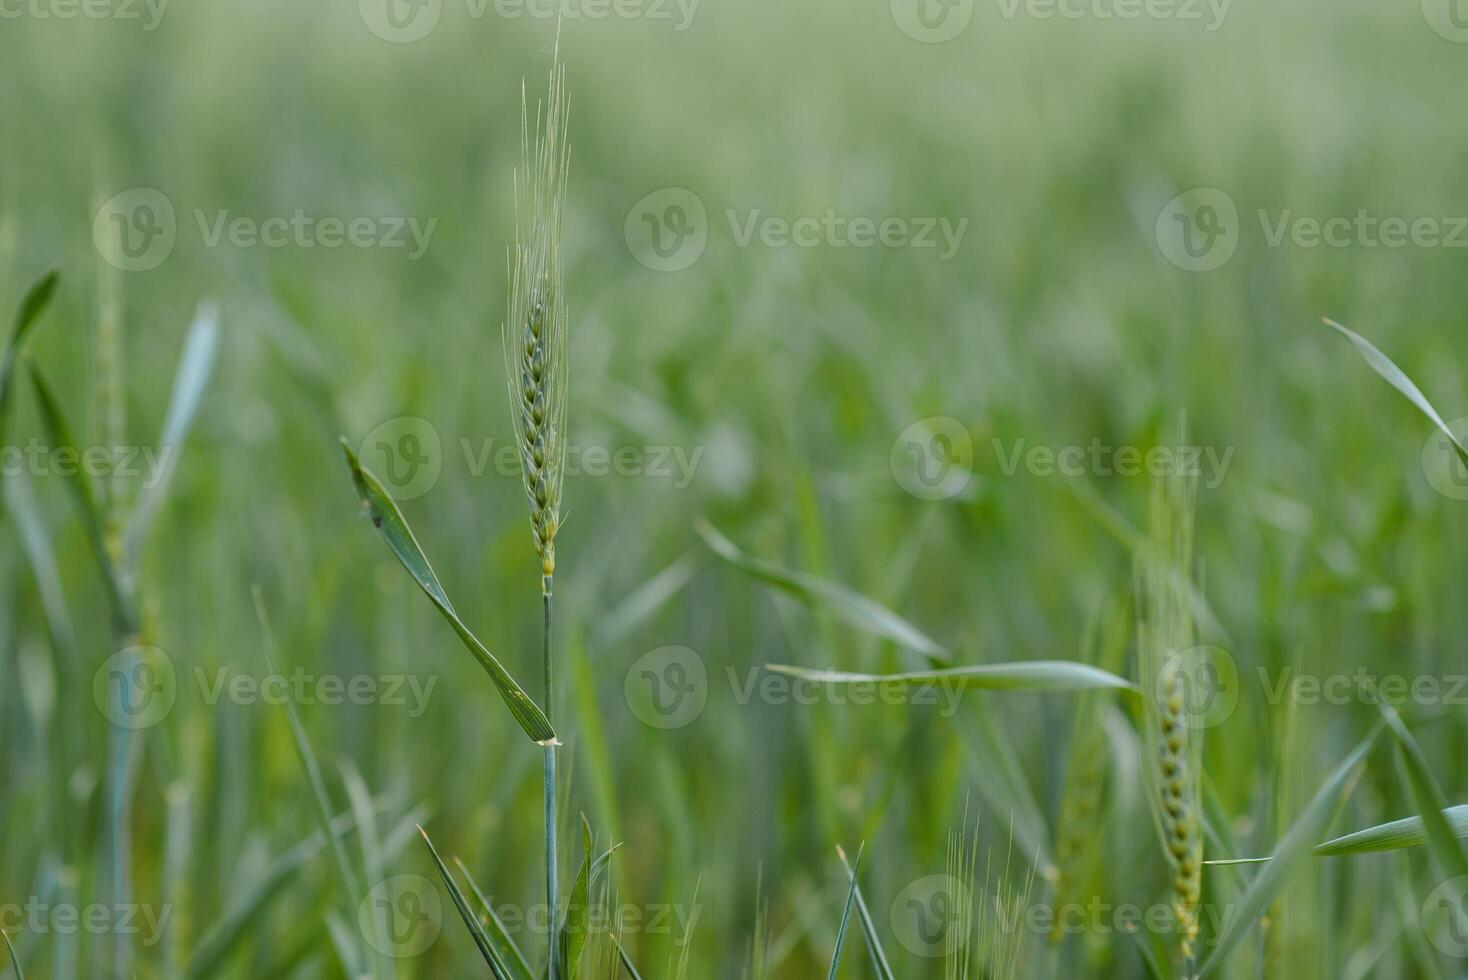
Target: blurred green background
{"type": "Point", "coordinates": [784, 376]}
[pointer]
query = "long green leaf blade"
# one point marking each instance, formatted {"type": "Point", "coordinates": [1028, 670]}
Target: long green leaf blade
{"type": "Point", "coordinates": [14, 960]}
{"type": "Point", "coordinates": [499, 935]}
{"type": "Point", "coordinates": [868, 928]}
{"type": "Point", "coordinates": [857, 610]}
{"type": "Point", "coordinates": [195, 366]}
{"type": "Point", "coordinates": [37, 298]}
{"type": "Point", "coordinates": [1398, 379]}
{"type": "Point", "coordinates": [626, 961]}
{"type": "Point", "coordinates": [476, 928]}
{"type": "Point", "coordinates": [845, 916]}
{"type": "Point", "coordinates": [1266, 885]}
{"type": "Point", "coordinates": [1395, 835]}
{"type": "Point", "coordinates": [1431, 803]}
{"type": "Point", "coordinates": [59, 434]}
{"type": "Point", "coordinates": [389, 521]}
{"type": "Point", "coordinates": [1035, 675]}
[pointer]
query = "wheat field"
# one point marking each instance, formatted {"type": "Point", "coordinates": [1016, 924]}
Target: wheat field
{"type": "Point", "coordinates": [992, 474]}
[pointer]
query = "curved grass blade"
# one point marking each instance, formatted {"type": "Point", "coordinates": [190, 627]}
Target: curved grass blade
{"type": "Point", "coordinates": [195, 366]}
{"type": "Point", "coordinates": [389, 521]}
{"type": "Point", "coordinates": [41, 556]}
{"type": "Point", "coordinates": [476, 929]}
{"type": "Point", "coordinates": [845, 916]}
{"type": "Point", "coordinates": [59, 434]}
{"type": "Point", "coordinates": [625, 960]}
{"type": "Point", "coordinates": [494, 928]}
{"type": "Point", "coordinates": [37, 298]}
{"type": "Point", "coordinates": [1394, 835]}
{"type": "Point", "coordinates": [1431, 803]}
{"type": "Point", "coordinates": [857, 610]}
{"type": "Point", "coordinates": [880, 965]}
{"type": "Point", "coordinates": [1398, 379]}
{"type": "Point", "coordinates": [1266, 885]}
{"type": "Point", "coordinates": [14, 960]}
{"type": "Point", "coordinates": [1034, 675]}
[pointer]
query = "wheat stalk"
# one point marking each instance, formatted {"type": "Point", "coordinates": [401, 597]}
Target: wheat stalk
{"type": "Point", "coordinates": [534, 335]}
{"type": "Point", "coordinates": [1173, 734]}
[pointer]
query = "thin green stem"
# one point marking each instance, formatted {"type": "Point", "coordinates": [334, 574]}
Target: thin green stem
{"type": "Point", "coordinates": [551, 897]}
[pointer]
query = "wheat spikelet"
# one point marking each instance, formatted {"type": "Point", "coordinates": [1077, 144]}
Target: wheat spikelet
{"type": "Point", "coordinates": [1080, 806]}
{"type": "Point", "coordinates": [1173, 731]}
{"type": "Point", "coordinates": [534, 330]}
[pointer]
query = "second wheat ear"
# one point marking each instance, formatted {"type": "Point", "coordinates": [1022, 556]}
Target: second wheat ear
{"type": "Point", "coordinates": [1173, 730]}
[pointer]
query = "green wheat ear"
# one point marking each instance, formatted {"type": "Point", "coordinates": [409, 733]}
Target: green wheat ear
{"type": "Point", "coordinates": [1173, 733]}
{"type": "Point", "coordinates": [534, 330]}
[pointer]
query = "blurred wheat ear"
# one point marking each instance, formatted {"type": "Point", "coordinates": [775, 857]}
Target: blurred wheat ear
{"type": "Point", "coordinates": [1173, 735]}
